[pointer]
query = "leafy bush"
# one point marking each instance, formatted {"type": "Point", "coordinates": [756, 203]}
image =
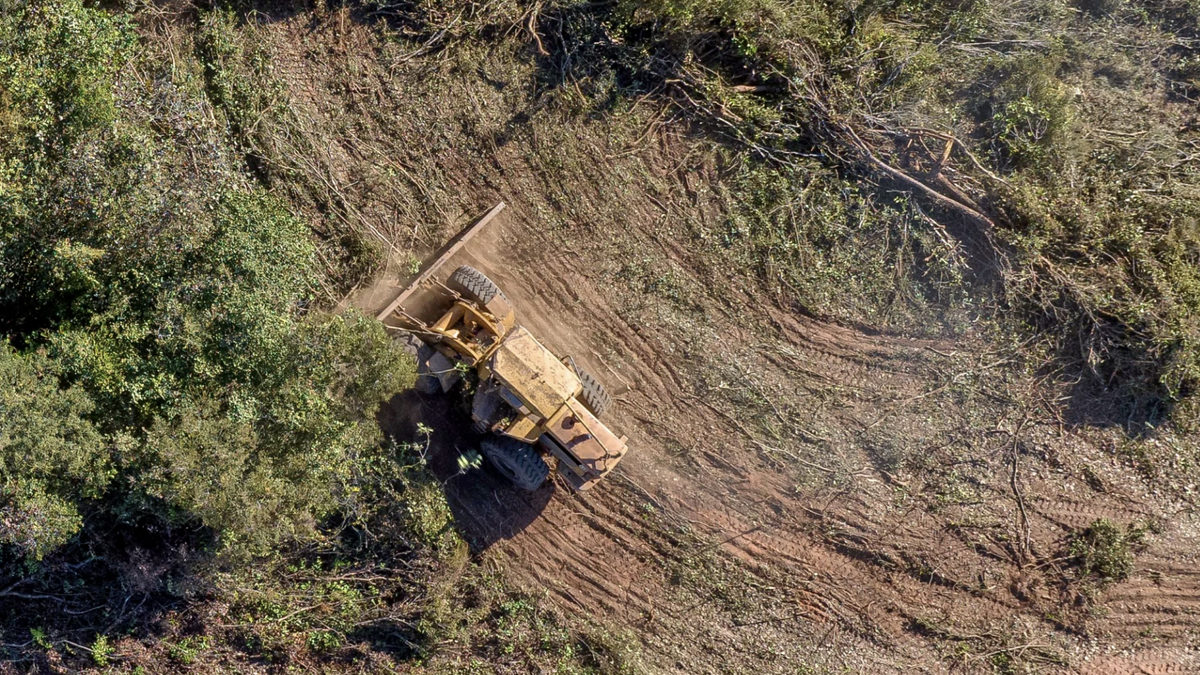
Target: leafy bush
{"type": "Point", "coordinates": [1104, 550]}
{"type": "Point", "coordinates": [58, 64]}
{"type": "Point", "coordinates": [237, 74]}
{"type": "Point", "coordinates": [52, 459]}
{"type": "Point", "coordinates": [102, 651]}
{"type": "Point", "coordinates": [1028, 112]}
{"type": "Point", "coordinates": [162, 308]}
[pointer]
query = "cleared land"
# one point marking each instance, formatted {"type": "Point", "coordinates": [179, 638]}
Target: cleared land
{"type": "Point", "coordinates": [886, 481]}
{"type": "Point", "coordinates": [801, 492]}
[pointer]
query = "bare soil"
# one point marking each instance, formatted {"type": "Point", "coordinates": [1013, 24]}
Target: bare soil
{"type": "Point", "coordinates": [800, 496]}
{"type": "Point", "coordinates": [709, 546]}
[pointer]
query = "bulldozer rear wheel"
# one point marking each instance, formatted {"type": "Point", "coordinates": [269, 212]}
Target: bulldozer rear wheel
{"type": "Point", "coordinates": [475, 285]}
{"type": "Point", "coordinates": [516, 461]}
{"type": "Point", "coordinates": [594, 396]}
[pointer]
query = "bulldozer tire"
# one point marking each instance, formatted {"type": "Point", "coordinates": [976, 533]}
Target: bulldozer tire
{"type": "Point", "coordinates": [474, 285]}
{"type": "Point", "coordinates": [594, 396]}
{"type": "Point", "coordinates": [516, 461]}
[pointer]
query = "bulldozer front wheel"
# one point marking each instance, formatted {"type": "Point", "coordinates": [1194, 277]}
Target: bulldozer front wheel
{"type": "Point", "coordinates": [475, 285]}
{"type": "Point", "coordinates": [516, 461]}
{"type": "Point", "coordinates": [594, 396]}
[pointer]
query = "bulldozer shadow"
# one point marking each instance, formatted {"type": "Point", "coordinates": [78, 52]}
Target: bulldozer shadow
{"type": "Point", "coordinates": [486, 507]}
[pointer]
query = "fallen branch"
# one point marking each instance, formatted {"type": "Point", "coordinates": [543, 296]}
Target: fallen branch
{"type": "Point", "coordinates": [1015, 485]}
{"type": "Point", "coordinates": [793, 456]}
{"type": "Point", "coordinates": [532, 27]}
{"type": "Point", "coordinates": [948, 202]}
{"type": "Point", "coordinates": [958, 144]}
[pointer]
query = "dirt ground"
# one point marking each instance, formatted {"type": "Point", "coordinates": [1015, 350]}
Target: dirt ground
{"type": "Point", "coordinates": [799, 496]}
{"type": "Point", "coordinates": [720, 557]}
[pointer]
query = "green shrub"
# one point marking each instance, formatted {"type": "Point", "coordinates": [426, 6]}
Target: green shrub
{"type": "Point", "coordinates": [173, 302]}
{"type": "Point", "coordinates": [52, 459]}
{"type": "Point", "coordinates": [102, 650]}
{"type": "Point", "coordinates": [58, 64]}
{"type": "Point", "coordinates": [188, 649]}
{"type": "Point", "coordinates": [323, 641]}
{"type": "Point", "coordinates": [51, 102]}
{"type": "Point", "coordinates": [1028, 112]}
{"type": "Point", "coordinates": [1104, 550]}
{"type": "Point", "coordinates": [237, 70]}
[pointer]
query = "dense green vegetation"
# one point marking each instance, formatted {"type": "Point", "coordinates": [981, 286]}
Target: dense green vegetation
{"type": "Point", "coordinates": [165, 379]}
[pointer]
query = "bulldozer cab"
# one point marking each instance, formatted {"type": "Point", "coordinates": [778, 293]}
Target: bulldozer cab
{"type": "Point", "coordinates": [470, 330]}
{"type": "Point", "coordinates": [460, 328]}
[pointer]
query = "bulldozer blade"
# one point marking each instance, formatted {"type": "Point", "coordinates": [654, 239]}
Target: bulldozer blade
{"type": "Point", "coordinates": [453, 246]}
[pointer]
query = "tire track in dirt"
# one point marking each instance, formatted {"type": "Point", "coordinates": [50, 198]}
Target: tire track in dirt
{"type": "Point", "coordinates": [1160, 600]}
{"type": "Point", "coordinates": [566, 548]}
{"type": "Point", "coordinates": [752, 514]}
{"type": "Point", "coordinates": [1153, 661]}
{"type": "Point", "coordinates": [761, 523]}
{"type": "Point", "coordinates": [1077, 514]}
{"type": "Point", "coordinates": [759, 538]}
{"type": "Point", "coordinates": [864, 584]}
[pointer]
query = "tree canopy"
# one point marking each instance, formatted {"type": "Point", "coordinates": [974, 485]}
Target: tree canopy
{"type": "Point", "coordinates": [165, 363]}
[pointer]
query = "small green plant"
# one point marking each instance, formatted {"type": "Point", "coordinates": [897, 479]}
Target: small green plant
{"type": "Point", "coordinates": [101, 650]}
{"type": "Point", "coordinates": [39, 638]}
{"type": "Point", "coordinates": [323, 641]}
{"type": "Point", "coordinates": [186, 650]}
{"type": "Point", "coordinates": [1104, 550]}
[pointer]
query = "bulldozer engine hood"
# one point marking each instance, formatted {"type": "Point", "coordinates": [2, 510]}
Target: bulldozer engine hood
{"type": "Point", "coordinates": [533, 373]}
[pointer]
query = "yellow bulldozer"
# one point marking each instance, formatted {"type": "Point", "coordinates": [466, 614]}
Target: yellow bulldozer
{"type": "Point", "coordinates": [527, 401]}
